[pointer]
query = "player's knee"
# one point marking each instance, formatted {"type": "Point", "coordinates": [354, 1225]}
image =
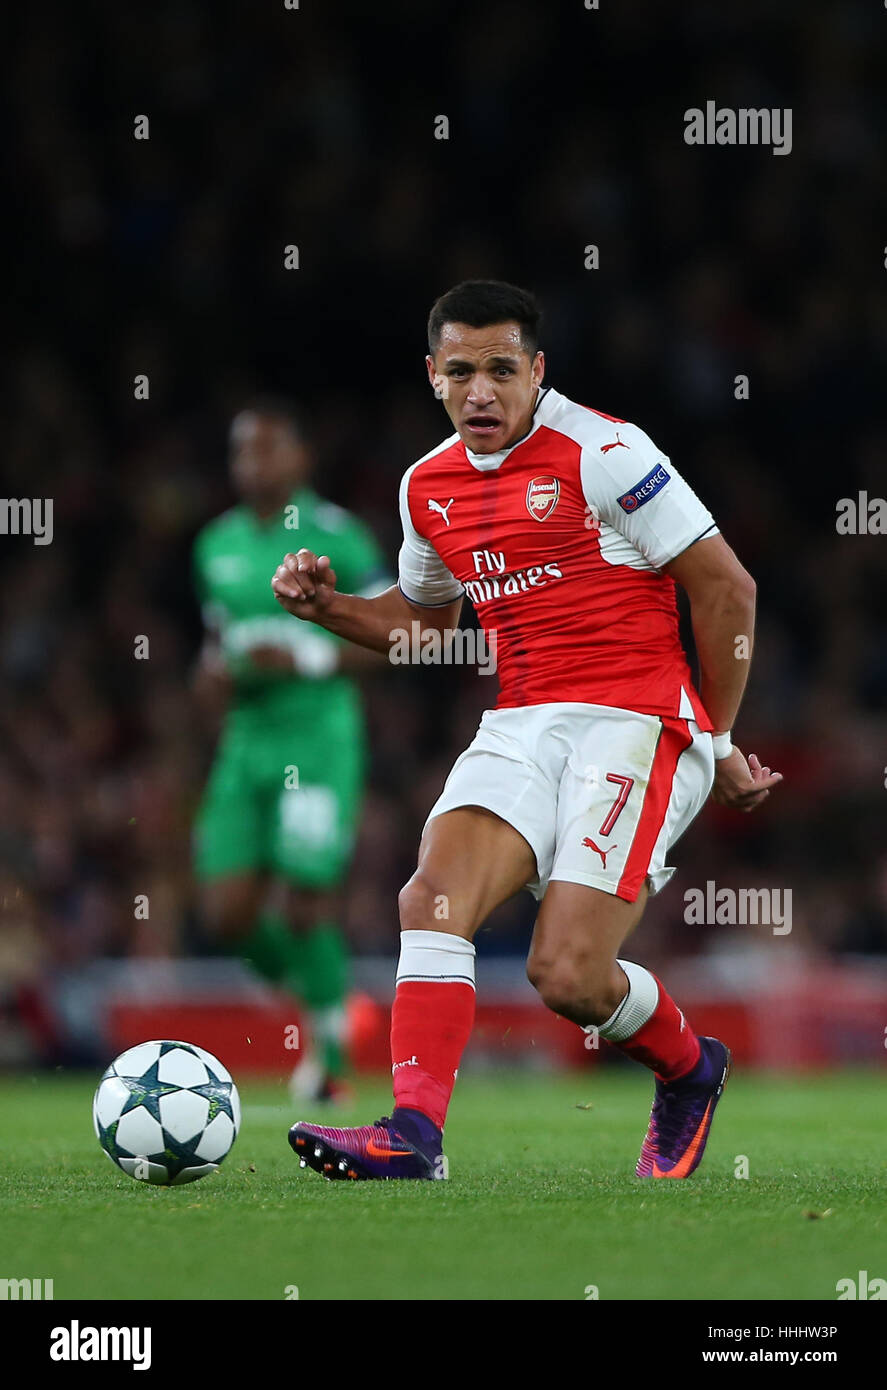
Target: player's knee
{"type": "Point", "coordinates": [424, 906]}
{"type": "Point", "coordinates": [576, 990]}
{"type": "Point", "coordinates": [557, 990]}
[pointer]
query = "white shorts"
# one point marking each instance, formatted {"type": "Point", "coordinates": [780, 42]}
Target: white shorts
{"type": "Point", "coordinates": [600, 794]}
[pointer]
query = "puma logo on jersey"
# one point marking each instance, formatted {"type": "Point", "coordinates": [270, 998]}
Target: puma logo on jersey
{"type": "Point", "coordinates": [617, 444]}
{"type": "Point", "coordinates": [436, 507]}
{"type": "Point", "coordinates": [602, 852]}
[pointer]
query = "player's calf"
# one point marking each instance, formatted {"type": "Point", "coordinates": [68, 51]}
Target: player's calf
{"type": "Point", "coordinates": [581, 991]}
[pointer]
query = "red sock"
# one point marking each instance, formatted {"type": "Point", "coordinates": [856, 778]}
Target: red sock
{"type": "Point", "coordinates": [665, 1043]}
{"type": "Point", "coordinates": [431, 1020]}
{"type": "Point", "coordinates": [430, 1025]}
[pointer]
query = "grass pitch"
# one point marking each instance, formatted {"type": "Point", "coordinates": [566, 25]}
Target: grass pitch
{"type": "Point", "coordinates": [541, 1203]}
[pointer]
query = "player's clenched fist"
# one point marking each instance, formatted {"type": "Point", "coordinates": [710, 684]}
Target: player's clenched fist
{"type": "Point", "coordinates": [304, 584]}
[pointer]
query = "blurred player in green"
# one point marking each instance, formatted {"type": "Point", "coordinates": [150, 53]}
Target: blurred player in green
{"type": "Point", "coordinates": [276, 825]}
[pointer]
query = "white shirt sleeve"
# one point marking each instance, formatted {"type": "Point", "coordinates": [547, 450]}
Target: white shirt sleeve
{"type": "Point", "coordinates": [422, 575]}
{"type": "Point", "coordinates": [637, 491]}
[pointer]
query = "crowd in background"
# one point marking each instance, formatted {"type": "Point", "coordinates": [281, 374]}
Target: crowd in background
{"type": "Point", "coordinates": [316, 128]}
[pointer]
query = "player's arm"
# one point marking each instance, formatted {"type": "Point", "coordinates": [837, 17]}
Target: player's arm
{"type": "Point", "coordinates": [426, 591]}
{"type": "Point", "coordinates": [362, 570]}
{"type": "Point", "coordinates": [305, 585]}
{"type": "Point", "coordinates": [722, 612]}
{"type": "Point", "coordinates": [639, 492]}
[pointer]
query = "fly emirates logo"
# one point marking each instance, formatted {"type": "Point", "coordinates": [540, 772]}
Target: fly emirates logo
{"type": "Point", "coordinates": [494, 581]}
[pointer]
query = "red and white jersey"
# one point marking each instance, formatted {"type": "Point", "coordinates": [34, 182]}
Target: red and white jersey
{"type": "Point", "coordinates": [559, 541]}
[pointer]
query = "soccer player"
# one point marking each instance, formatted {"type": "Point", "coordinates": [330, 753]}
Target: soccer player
{"type": "Point", "coordinates": [568, 529]}
{"type": "Point", "coordinates": [281, 806]}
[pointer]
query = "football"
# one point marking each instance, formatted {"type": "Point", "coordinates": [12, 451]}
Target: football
{"type": "Point", "coordinates": [166, 1112]}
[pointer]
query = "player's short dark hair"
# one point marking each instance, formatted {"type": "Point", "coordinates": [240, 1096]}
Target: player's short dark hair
{"type": "Point", "coordinates": [272, 407]}
{"type": "Point", "coordinates": [482, 302]}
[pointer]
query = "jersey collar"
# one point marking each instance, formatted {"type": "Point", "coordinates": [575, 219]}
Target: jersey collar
{"type": "Point", "coordinates": [487, 462]}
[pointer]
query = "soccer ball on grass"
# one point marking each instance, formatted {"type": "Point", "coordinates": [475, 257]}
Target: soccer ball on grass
{"type": "Point", "coordinates": [166, 1112]}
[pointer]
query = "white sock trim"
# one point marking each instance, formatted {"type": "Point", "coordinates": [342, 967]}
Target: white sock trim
{"type": "Point", "coordinates": [638, 1006]}
{"type": "Point", "coordinates": [435, 955]}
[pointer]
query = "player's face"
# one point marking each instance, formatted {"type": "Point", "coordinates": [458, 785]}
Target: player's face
{"type": "Point", "coordinates": [266, 461]}
{"type": "Point", "coordinates": [488, 383]}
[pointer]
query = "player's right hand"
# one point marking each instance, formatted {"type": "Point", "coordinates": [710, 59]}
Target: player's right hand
{"type": "Point", "coordinates": [304, 584]}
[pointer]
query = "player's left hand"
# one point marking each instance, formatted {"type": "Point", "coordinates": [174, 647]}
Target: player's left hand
{"type": "Point", "coordinates": [740, 784]}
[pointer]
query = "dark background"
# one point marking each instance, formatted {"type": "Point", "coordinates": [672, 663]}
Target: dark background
{"type": "Point", "coordinates": [315, 127]}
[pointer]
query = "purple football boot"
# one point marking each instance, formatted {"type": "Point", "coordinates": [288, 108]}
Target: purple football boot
{"type": "Point", "coordinates": [682, 1114]}
{"type": "Point", "coordinates": [407, 1145]}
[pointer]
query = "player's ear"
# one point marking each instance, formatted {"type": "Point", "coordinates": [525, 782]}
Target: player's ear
{"type": "Point", "coordinates": [437, 379]}
{"type": "Point", "coordinates": [538, 369]}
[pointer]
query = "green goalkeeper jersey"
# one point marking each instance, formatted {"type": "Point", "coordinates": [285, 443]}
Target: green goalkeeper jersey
{"type": "Point", "coordinates": [235, 557]}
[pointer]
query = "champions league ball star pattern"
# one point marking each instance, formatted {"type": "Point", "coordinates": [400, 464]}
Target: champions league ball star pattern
{"type": "Point", "coordinates": [166, 1112]}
